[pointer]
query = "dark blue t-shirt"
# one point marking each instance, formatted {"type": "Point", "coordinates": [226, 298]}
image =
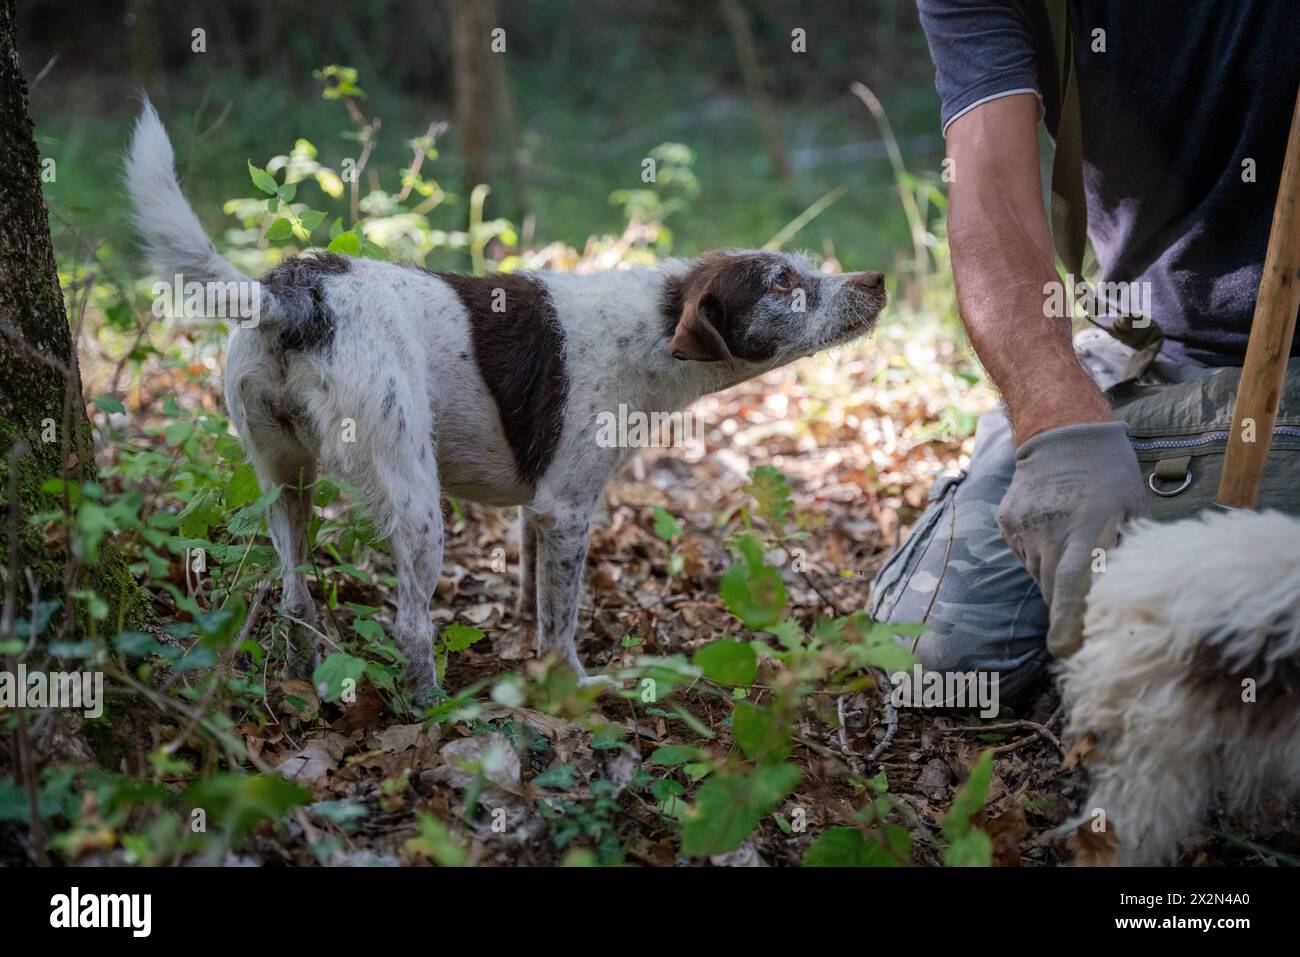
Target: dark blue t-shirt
{"type": "Point", "coordinates": [1182, 96]}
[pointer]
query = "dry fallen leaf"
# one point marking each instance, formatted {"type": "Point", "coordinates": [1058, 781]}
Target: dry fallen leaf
{"type": "Point", "coordinates": [403, 737]}
{"type": "Point", "coordinates": [933, 779]}
{"type": "Point", "coordinates": [1093, 848]}
{"type": "Point", "coordinates": [488, 754]}
{"type": "Point", "coordinates": [316, 760]}
{"type": "Point", "coordinates": [516, 642]}
{"type": "Point", "coordinates": [744, 856]}
{"type": "Point", "coordinates": [477, 615]}
{"type": "Point", "coordinates": [1008, 831]}
{"type": "Point", "coordinates": [304, 690]}
{"type": "Point", "coordinates": [1079, 751]}
{"type": "Point", "coordinates": [365, 712]}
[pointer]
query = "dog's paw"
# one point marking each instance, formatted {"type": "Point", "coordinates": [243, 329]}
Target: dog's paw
{"type": "Point", "coordinates": [421, 677]}
{"type": "Point", "coordinates": [304, 654]}
{"type": "Point", "coordinates": [426, 697]}
{"type": "Point", "coordinates": [597, 681]}
{"type": "Point", "coordinates": [302, 663]}
{"type": "Point", "coordinates": [530, 636]}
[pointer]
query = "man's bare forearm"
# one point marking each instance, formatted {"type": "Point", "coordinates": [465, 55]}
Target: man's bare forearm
{"type": "Point", "coordinates": [1076, 477]}
{"type": "Point", "coordinates": [1000, 279]}
{"type": "Point", "coordinates": [1002, 263]}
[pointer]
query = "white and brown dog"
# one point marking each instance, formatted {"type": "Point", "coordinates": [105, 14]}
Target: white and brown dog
{"type": "Point", "coordinates": [409, 384]}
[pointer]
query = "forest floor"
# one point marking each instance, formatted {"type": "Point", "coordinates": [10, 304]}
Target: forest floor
{"type": "Point", "coordinates": [859, 436]}
{"type": "Point", "coordinates": [523, 772]}
{"type": "Point", "coordinates": [855, 482]}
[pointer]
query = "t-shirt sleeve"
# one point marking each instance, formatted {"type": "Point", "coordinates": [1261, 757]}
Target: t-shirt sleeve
{"type": "Point", "coordinates": [982, 50]}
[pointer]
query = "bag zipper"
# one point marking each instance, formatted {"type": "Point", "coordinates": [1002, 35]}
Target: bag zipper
{"type": "Point", "coordinates": [1208, 438]}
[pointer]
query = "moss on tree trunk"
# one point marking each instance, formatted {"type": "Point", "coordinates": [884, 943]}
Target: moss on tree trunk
{"type": "Point", "coordinates": [42, 410]}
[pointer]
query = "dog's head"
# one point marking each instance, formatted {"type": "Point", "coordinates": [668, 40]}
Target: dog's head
{"type": "Point", "coordinates": [766, 308]}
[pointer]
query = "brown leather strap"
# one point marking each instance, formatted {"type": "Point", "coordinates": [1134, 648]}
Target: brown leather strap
{"type": "Point", "coordinates": [1069, 202]}
{"type": "Point", "coordinates": [1069, 205]}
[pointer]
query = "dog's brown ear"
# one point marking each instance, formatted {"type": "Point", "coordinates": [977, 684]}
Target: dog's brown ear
{"type": "Point", "coordinates": [696, 338]}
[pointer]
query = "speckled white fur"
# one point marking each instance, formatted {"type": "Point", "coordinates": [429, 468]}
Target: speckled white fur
{"type": "Point", "coordinates": [405, 333]}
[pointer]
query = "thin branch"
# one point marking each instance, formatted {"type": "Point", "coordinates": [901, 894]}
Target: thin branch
{"type": "Point", "coordinates": [854, 764]}
{"type": "Point", "coordinates": [436, 129]}
{"type": "Point", "coordinates": [826, 599]}
{"type": "Point", "coordinates": [49, 65]}
{"type": "Point", "coordinates": [1040, 730]}
{"type": "Point", "coordinates": [219, 671]}
{"type": "Point", "coordinates": [233, 746]}
{"type": "Point", "coordinates": [891, 727]}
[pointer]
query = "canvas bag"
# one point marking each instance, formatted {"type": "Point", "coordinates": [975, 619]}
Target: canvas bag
{"type": "Point", "coordinates": [1180, 435]}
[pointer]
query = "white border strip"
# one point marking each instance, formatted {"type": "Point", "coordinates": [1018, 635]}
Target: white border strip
{"type": "Point", "coordinates": [994, 96]}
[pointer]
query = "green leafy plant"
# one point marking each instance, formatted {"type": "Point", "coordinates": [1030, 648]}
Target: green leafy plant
{"type": "Point", "coordinates": [842, 653]}
{"type": "Point", "coordinates": [669, 530]}
{"type": "Point", "coordinates": [729, 806]}
{"type": "Point", "coordinates": [670, 187]}
{"type": "Point", "coordinates": [968, 846]}
{"type": "Point", "coordinates": [435, 842]}
{"type": "Point", "coordinates": [454, 637]}
{"type": "Point", "coordinates": [591, 820]}
{"type": "Point", "coordinates": [878, 841]}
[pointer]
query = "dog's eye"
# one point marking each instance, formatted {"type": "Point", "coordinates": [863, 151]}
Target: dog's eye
{"type": "Point", "coordinates": [783, 282]}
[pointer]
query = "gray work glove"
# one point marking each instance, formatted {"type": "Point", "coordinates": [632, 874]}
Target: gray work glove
{"type": "Point", "coordinates": [1073, 489]}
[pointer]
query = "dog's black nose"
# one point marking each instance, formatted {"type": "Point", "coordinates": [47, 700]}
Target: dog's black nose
{"type": "Point", "coordinates": [871, 281]}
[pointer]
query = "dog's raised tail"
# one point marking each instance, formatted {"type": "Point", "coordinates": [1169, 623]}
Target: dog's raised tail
{"type": "Point", "coordinates": [173, 238]}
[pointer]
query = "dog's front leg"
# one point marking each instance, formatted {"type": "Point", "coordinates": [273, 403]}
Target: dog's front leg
{"type": "Point", "coordinates": [561, 555]}
{"type": "Point", "coordinates": [527, 607]}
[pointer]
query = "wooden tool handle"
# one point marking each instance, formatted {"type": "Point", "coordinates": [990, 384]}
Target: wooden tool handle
{"type": "Point", "coordinates": [1271, 333]}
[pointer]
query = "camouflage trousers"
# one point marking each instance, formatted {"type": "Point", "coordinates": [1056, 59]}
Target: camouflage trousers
{"type": "Point", "coordinates": [955, 573]}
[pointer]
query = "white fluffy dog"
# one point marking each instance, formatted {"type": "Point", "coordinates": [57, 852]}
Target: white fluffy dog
{"type": "Point", "coordinates": [1188, 680]}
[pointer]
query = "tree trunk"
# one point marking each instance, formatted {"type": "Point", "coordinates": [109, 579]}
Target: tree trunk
{"type": "Point", "coordinates": [471, 38]}
{"type": "Point", "coordinates": [743, 39]}
{"type": "Point", "coordinates": [44, 432]}
{"type": "Point", "coordinates": [503, 99]}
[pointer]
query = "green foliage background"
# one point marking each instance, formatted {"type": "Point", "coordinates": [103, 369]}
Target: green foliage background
{"type": "Point", "coordinates": [265, 123]}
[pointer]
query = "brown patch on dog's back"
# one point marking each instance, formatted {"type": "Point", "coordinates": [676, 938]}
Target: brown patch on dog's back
{"type": "Point", "coordinates": [519, 352]}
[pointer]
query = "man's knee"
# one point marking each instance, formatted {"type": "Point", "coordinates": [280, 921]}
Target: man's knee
{"type": "Point", "coordinates": [955, 574]}
{"type": "Point", "coordinates": [1013, 669]}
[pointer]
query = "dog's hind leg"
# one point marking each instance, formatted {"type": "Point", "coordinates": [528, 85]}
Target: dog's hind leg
{"type": "Point", "coordinates": [388, 450]}
{"type": "Point", "coordinates": [408, 501]}
{"type": "Point", "coordinates": [277, 439]}
{"type": "Point", "coordinates": [527, 607]}
{"type": "Point", "coordinates": [291, 467]}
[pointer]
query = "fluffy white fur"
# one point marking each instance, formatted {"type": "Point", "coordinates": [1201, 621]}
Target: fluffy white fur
{"type": "Point", "coordinates": [1184, 614]}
